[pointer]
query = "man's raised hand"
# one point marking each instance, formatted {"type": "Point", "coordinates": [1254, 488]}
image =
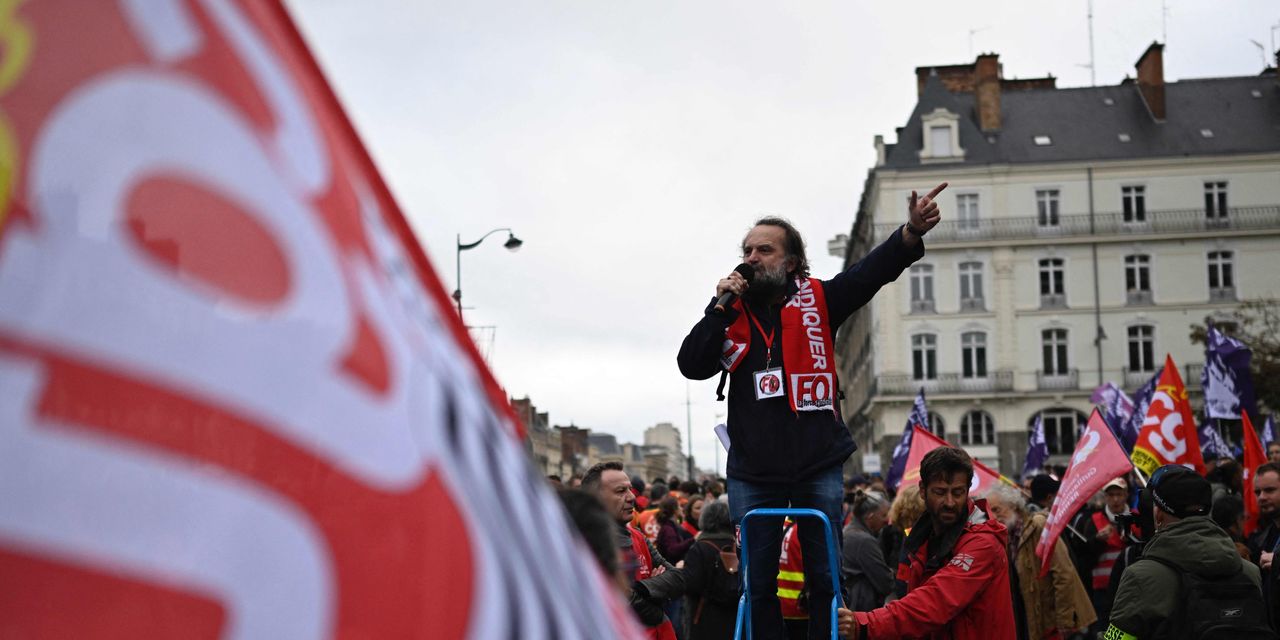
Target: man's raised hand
{"type": "Point", "coordinates": [923, 213]}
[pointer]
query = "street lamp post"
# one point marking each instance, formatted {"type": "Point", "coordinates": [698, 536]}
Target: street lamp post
{"type": "Point", "coordinates": [513, 243]}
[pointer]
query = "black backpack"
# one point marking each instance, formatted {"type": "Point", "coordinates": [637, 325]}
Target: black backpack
{"type": "Point", "coordinates": [722, 584]}
{"type": "Point", "coordinates": [1230, 607]}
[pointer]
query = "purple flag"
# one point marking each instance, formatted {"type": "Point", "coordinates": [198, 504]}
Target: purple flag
{"type": "Point", "coordinates": [1116, 408]}
{"type": "Point", "coordinates": [1141, 402]}
{"type": "Point", "coordinates": [1228, 386]}
{"type": "Point", "coordinates": [919, 415]}
{"type": "Point", "coordinates": [1037, 449]}
{"type": "Point", "coordinates": [1268, 431]}
{"type": "Point", "coordinates": [1211, 442]}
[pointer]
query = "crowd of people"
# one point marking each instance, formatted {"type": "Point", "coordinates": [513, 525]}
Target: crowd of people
{"type": "Point", "coordinates": [923, 560]}
{"type": "Point", "coordinates": [930, 560]}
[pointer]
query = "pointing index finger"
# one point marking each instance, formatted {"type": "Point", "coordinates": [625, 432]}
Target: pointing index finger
{"type": "Point", "coordinates": [912, 200]}
{"type": "Point", "coordinates": [936, 190]}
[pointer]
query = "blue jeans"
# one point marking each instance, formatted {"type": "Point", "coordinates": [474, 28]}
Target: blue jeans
{"type": "Point", "coordinates": [823, 492]}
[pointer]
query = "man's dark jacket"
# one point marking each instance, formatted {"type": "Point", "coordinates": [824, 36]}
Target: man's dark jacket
{"type": "Point", "coordinates": [769, 442]}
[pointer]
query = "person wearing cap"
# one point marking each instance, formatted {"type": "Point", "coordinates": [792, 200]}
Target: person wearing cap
{"type": "Point", "coordinates": [1151, 597]}
{"type": "Point", "coordinates": [1106, 542]}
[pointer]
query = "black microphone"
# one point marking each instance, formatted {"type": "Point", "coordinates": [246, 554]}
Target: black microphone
{"type": "Point", "coordinates": [729, 297]}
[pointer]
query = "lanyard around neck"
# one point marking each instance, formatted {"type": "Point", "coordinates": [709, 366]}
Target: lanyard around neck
{"type": "Point", "coordinates": [768, 339]}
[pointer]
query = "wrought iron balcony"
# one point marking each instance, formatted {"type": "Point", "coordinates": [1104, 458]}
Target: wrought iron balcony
{"type": "Point", "coordinates": [1053, 301]}
{"type": "Point", "coordinates": [1103, 224]}
{"type": "Point", "coordinates": [1135, 379]}
{"type": "Point", "coordinates": [1050, 381]}
{"type": "Point", "coordinates": [922, 306]}
{"type": "Point", "coordinates": [1138, 298]}
{"type": "Point", "coordinates": [1222, 294]}
{"type": "Point", "coordinates": [904, 384]}
{"type": "Point", "coordinates": [973, 304]}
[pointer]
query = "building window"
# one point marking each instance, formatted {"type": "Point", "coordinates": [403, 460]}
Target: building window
{"type": "Point", "coordinates": [977, 428]}
{"type": "Point", "coordinates": [973, 354]}
{"type": "Point", "coordinates": [1047, 207]}
{"type": "Point", "coordinates": [936, 426]}
{"type": "Point", "coordinates": [1222, 282]}
{"type": "Point", "coordinates": [922, 288]}
{"type": "Point", "coordinates": [1061, 427]}
{"type": "Point", "coordinates": [1134, 200]}
{"type": "Point", "coordinates": [1137, 279]}
{"type": "Point", "coordinates": [924, 356]}
{"type": "Point", "coordinates": [1215, 202]}
{"type": "Point", "coordinates": [1052, 283]}
{"type": "Point", "coordinates": [967, 210]}
{"type": "Point", "coordinates": [1053, 343]}
{"type": "Point", "coordinates": [940, 140]}
{"type": "Point", "coordinates": [971, 286]}
{"type": "Point", "coordinates": [1142, 348]}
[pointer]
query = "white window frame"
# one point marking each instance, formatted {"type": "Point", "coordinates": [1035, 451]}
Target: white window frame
{"type": "Point", "coordinates": [926, 344]}
{"type": "Point", "coordinates": [973, 355]}
{"type": "Point", "coordinates": [971, 278]}
{"type": "Point", "coordinates": [980, 421]}
{"type": "Point", "coordinates": [1133, 203]}
{"type": "Point", "coordinates": [1146, 360]}
{"type": "Point", "coordinates": [1055, 341]}
{"type": "Point", "coordinates": [940, 118]}
{"type": "Point", "coordinates": [1048, 207]}
{"type": "Point", "coordinates": [1216, 203]}
{"type": "Point", "coordinates": [968, 211]}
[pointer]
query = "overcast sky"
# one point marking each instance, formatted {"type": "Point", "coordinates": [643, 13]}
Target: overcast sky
{"type": "Point", "coordinates": [631, 144]}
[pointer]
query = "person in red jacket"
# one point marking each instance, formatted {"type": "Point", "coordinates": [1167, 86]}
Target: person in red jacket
{"type": "Point", "coordinates": [955, 566]}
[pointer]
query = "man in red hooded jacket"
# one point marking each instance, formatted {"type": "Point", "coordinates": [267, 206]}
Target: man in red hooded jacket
{"type": "Point", "coordinates": [955, 568]}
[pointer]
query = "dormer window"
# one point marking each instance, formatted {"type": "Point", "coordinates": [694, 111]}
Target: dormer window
{"type": "Point", "coordinates": [1042, 141]}
{"type": "Point", "coordinates": [941, 137]}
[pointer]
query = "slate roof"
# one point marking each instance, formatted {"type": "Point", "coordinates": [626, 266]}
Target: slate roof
{"type": "Point", "coordinates": [1083, 126]}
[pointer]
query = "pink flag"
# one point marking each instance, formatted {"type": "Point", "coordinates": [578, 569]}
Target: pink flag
{"type": "Point", "coordinates": [1097, 459]}
{"type": "Point", "coordinates": [234, 398]}
{"type": "Point", "coordinates": [923, 442]}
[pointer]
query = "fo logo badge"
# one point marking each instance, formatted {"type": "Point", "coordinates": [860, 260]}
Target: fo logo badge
{"type": "Point", "coordinates": [769, 384]}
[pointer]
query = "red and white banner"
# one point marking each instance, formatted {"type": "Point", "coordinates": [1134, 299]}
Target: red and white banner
{"type": "Point", "coordinates": [923, 442]}
{"type": "Point", "coordinates": [234, 401]}
{"type": "Point", "coordinates": [1254, 457]}
{"type": "Point", "coordinates": [1168, 434]}
{"type": "Point", "coordinates": [1098, 458]}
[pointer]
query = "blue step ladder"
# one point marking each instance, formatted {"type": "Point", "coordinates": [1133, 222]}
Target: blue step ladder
{"type": "Point", "coordinates": [743, 626]}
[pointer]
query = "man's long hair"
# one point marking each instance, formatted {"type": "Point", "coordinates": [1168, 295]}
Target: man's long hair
{"type": "Point", "coordinates": [794, 244]}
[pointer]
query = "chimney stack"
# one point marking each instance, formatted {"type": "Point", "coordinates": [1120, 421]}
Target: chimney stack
{"type": "Point", "coordinates": [1151, 79]}
{"type": "Point", "coordinates": [986, 91]}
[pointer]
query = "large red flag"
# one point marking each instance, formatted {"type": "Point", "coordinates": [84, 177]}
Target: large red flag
{"type": "Point", "coordinates": [1254, 457]}
{"type": "Point", "coordinates": [1168, 434]}
{"type": "Point", "coordinates": [923, 442]}
{"type": "Point", "coordinates": [1098, 458]}
{"type": "Point", "coordinates": [234, 400]}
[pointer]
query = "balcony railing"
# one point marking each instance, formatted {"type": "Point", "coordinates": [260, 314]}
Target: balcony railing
{"type": "Point", "coordinates": [1053, 301]}
{"type": "Point", "coordinates": [1138, 298]}
{"type": "Point", "coordinates": [1134, 379]}
{"type": "Point", "coordinates": [1049, 381]}
{"type": "Point", "coordinates": [904, 384]}
{"type": "Point", "coordinates": [922, 306]}
{"type": "Point", "coordinates": [1104, 224]}
{"type": "Point", "coordinates": [1222, 294]}
{"type": "Point", "coordinates": [973, 304]}
{"type": "Point", "coordinates": [1191, 375]}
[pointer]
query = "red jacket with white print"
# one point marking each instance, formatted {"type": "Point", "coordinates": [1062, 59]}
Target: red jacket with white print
{"type": "Point", "coordinates": [960, 594]}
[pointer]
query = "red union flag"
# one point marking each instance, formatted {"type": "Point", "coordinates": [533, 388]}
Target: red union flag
{"type": "Point", "coordinates": [233, 399]}
{"type": "Point", "coordinates": [923, 442]}
{"type": "Point", "coordinates": [1254, 457]}
{"type": "Point", "coordinates": [1168, 434]}
{"type": "Point", "coordinates": [1098, 458]}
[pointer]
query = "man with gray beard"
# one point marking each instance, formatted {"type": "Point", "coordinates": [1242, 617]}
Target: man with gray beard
{"type": "Point", "coordinates": [774, 344]}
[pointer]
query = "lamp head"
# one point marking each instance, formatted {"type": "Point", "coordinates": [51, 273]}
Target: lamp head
{"type": "Point", "coordinates": [513, 243]}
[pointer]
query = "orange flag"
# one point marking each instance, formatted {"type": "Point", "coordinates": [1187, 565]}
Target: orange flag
{"type": "Point", "coordinates": [1168, 434]}
{"type": "Point", "coordinates": [1254, 457]}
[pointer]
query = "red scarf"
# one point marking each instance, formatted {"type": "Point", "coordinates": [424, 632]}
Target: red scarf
{"type": "Point", "coordinates": [807, 356]}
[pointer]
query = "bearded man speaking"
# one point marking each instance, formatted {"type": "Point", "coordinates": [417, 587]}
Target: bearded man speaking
{"type": "Point", "coordinates": [774, 342]}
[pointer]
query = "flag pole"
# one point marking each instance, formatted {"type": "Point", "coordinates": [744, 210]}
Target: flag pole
{"type": "Point", "coordinates": [1142, 480]}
